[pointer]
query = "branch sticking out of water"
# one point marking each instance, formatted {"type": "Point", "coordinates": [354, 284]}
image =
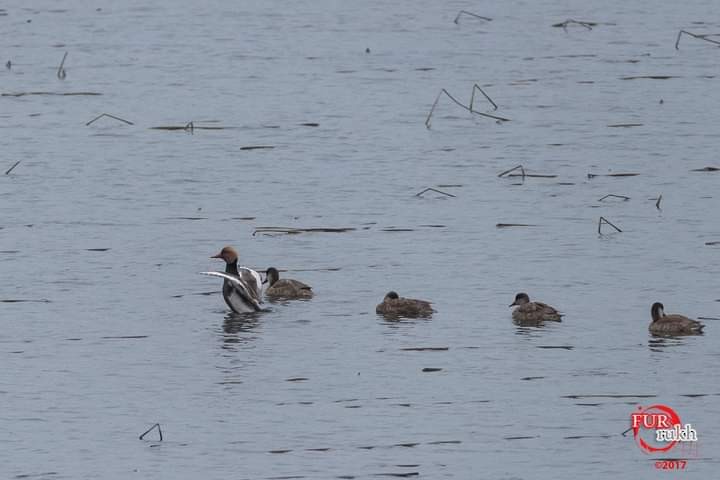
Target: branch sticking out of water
{"type": "Point", "coordinates": [472, 97]}
{"type": "Point", "coordinates": [430, 189]}
{"type": "Point", "coordinates": [458, 103]}
{"type": "Point", "coordinates": [465, 12]}
{"type": "Point", "coordinates": [569, 21]}
{"type": "Point", "coordinates": [626, 431]}
{"type": "Point", "coordinates": [612, 195]}
{"type": "Point", "coordinates": [190, 127]}
{"type": "Point", "coordinates": [110, 116]}
{"type": "Point", "coordinates": [519, 167]}
{"type": "Point", "coordinates": [157, 425]}
{"type": "Point", "coordinates": [11, 168]}
{"type": "Point", "coordinates": [657, 204]}
{"type": "Point", "coordinates": [606, 221]}
{"type": "Point", "coordinates": [593, 175]}
{"type": "Point", "coordinates": [61, 69]}
{"type": "Point", "coordinates": [698, 36]}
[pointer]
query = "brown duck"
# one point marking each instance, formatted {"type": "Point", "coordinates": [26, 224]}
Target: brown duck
{"type": "Point", "coordinates": [533, 312]}
{"type": "Point", "coordinates": [396, 306]}
{"type": "Point", "coordinates": [672, 324]}
{"type": "Point", "coordinates": [286, 287]}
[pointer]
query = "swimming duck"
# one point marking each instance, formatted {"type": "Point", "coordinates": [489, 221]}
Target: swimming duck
{"type": "Point", "coordinates": [396, 306]}
{"type": "Point", "coordinates": [242, 286]}
{"type": "Point", "coordinates": [285, 288]}
{"type": "Point", "coordinates": [672, 324]}
{"type": "Point", "coordinates": [533, 312]}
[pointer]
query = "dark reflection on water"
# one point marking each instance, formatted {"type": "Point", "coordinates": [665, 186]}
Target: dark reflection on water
{"type": "Point", "coordinates": [657, 343]}
{"type": "Point", "coordinates": [240, 328]}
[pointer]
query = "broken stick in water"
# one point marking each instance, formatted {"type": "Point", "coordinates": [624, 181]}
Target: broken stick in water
{"type": "Point", "coordinates": [157, 425]}
{"type": "Point", "coordinates": [520, 167]}
{"type": "Point", "coordinates": [61, 69]}
{"type": "Point", "coordinates": [567, 22]}
{"type": "Point", "coordinates": [698, 36]}
{"type": "Point", "coordinates": [110, 116]}
{"type": "Point", "coordinates": [11, 168]}
{"type": "Point", "coordinates": [612, 195]}
{"type": "Point", "coordinates": [657, 204]}
{"type": "Point", "coordinates": [465, 12]}
{"type": "Point", "coordinates": [472, 97]}
{"type": "Point", "coordinates": [437, 99]}
{"type": "Point", "coordinates": [430, 189]}
{"type": "Point", "coordinates": [605, 220]}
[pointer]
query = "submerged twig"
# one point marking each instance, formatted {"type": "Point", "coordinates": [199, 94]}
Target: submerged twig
{"type": "Point", "coordinates": [593, 175]}
{"type": "Point", "coordinates": [65, 94]}
{"type": "Point", "coordinates": [487, 19]}
{"type": "Point", "coordinates": [699, 36]}
{"type": "Point", "coordinates": [457, 102]}
{"type": "Point", "coordinates": [157, 425]}
{"type": "Point", "coordinates": [292, 231]}
{"type": "Point", "coordinates": [472, 97]}
{"type": "Point", "coordinates": [657, 204]}
{"type": "Point", "coordinates": [520, 167]}
{"type": "Point", "coordinates": [567, 22]}
{"type": "Point", "coordinates": [11, 168]}
{"type": "Point", "coordinates": [110, 116]}
{"type": "Point", "coordinates": [430, 189]}
{"type": "Point", "coordinates": [61, 70]}
{"type": "Point", "coordinates": [623, 197]}
{"type": "Point", "coordinates": [606, 221]}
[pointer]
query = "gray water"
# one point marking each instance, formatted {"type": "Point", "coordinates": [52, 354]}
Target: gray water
{"type": "Point", "coordinates": [110, 223]}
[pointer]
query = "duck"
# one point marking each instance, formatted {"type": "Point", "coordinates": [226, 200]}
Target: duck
{"type": "Point", "coordinates": [285, 288]}
{"type": "Point", "coordinates": [394, 305]}
{"type": "Point", "coordinates": [533, 312]}
{"type": "Point", "coordinates": [242, 287]}
{"type": "Point", "coordinates": [672, 324]}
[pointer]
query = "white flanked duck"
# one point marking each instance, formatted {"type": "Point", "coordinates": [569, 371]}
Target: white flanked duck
{"type": "Point", "coordinates": [242, 287]}
{"type": "Point", "coordinates": [394, 305]}
{"type": "Point", "coordinates": [533, 312]}
{"type": "Point", "coordinates": [672, 324]}
{"type": "Point", "coordinates": [285, 288]}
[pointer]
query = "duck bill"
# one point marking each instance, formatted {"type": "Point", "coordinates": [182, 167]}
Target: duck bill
{"type": "Point", "coordinates": [512, 304]}
{"type": "Point", "coordinates": [217, 256]}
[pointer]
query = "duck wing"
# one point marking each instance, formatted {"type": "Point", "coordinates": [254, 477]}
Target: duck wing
{"type": "Point", "coordinates": [253, 280]}
{"type": "Point", "coordinates": [674, 323]}
{"type": "Point", "coordinates": [241, 287]}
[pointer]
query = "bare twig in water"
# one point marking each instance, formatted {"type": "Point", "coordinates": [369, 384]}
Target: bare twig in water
{"type": "Point", "coordinates": [567, 22]}
{"type": "Point", "coordinates": [698, 36]}
{"type": "Point", "coordinates": [506, 225]}
{"type": "Point", "coordinates": [593, 175]}
{"type": "Point", "coordinates": [472, 97]}
{"type": "Point", "coordinates": [61, 69]}
{"type": "Point", "coordinates": [157, 425]}
{"type": "Point", "coordinates": [430, 189]}
{"type": "Point", "coordinates": [706, 169]}
{"type": "Point", "coordinates": [465, 12]}
{"type": "Point", "coordinates": [623, 197]}
{"type": "Point", "coordinates": [190, 126]}
{"type": "Point", "coordinates": [8, 65]}
{"type": "Point", "coordinates": [110, 116]}
{"type": "Point", "coordinates": [292, 231]}
{"type": "Point", "coordinates": [11, 168]}
{"type": "Point", "coordinates": [606, 221]}
{"type": "Point", "coordinates": [65, 94]}
{"type": "Point", "coordinates": [626, 431]}
{"type": "Point", "coordinates": [427, 121]}
{"type": "Point", "coordinates": [657, 204]}
{"type": "Point", "coordinates": [520, 167]}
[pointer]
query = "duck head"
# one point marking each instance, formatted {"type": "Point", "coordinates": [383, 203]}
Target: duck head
{"type": "Point", "coordinates": [657, 311]}
{"type": "Point", "coordinates": [391, 295]}
{"type": "Point", "coordinates": [271, 276]}
{"type": "Point", "coordinates": [520, 299]}
{"type": "Point", "coordinates": [229, 254]}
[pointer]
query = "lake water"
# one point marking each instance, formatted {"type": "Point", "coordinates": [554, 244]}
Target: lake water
{"type": "Point", "coordinates": [111, 223]}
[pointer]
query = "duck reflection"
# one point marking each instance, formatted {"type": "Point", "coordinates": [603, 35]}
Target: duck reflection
{"type": "Point", "coordinates": [239, 328]}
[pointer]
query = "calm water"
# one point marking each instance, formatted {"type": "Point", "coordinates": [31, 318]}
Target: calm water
{"type": "Point", "coordinates": [325, 389]}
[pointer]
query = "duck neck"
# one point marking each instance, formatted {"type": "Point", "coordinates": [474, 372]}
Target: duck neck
{"type": "Point", "coordinates": [231, 267]}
